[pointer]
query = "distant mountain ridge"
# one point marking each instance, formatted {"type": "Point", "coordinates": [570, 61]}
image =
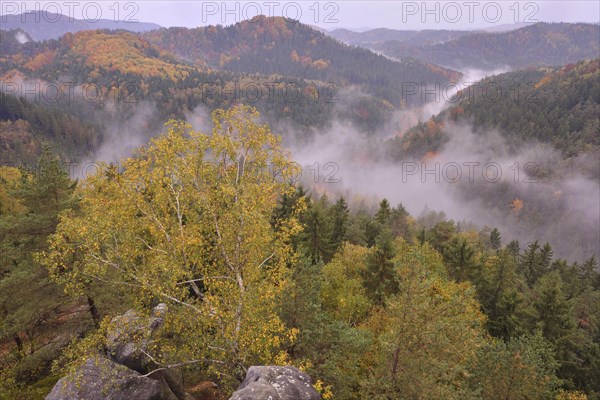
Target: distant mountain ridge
{"type": "Point", "coordinates": [541, 44]}
{"type": "Point", "coordinates": [506, 27]}
{"type": "Point", "coordinates": [512, 45]}
{"type": "Point", "coordinates": [41, 25]}
{"type": "Point", "coordinates": [286, 48]}
{"type": "Point", "coordinates": [268, 46]}
{"type": "Point", "coordinates": [181, 70]}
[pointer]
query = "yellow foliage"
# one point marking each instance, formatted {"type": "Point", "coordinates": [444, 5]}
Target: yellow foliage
{"type": "Point", "coordinates": [325, 390]}
{"type": "Point", "coordinates": [321, 64]}
{"type": "Point", "coordinates": [545, 79]}
{"type": "Point", "coordinates": [41, 60]}
{"type": "Point", "coordinates": [564, 395]}
{"type": "Point", "coordinates": [9, 180]}
{"type": "Point", "coordinates": [294, 56]}
{"type": "Point", "coordinates": [343, 293]}
{"type": "Point", "coordinates": [124, 52]}
{"type": "Point", "coordinates": [187, 221]}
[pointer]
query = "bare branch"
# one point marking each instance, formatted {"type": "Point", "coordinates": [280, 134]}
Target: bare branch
{"type": "Point", "coordinates": [111, 281]}
{"type": "Point", "coordinates": [183, 303]}
{"type": "Point", "coordinates": [206, 278]}
{"type": "Point", "coordinates": [181, 364]}
{"type": "Point", "coordinates": [149, 246]}
{"type": "Point", "coordinates": [266, 259]}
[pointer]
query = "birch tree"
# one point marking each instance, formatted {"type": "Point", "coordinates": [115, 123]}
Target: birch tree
{"type": "Point", "coordinates": [187, 221]}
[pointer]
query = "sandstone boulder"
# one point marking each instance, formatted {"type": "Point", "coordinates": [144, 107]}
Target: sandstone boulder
{"type": "Point", "coordinates": [100, 378]}
{"type": "Point", "coordinates": [276, 383]}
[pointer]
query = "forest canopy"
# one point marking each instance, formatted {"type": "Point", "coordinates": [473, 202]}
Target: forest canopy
{"type": "Point", "coordinates": [256, 271]}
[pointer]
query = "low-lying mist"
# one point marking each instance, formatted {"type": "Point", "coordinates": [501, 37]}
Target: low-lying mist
{"type": "Point", "coordinates": [475, 178]}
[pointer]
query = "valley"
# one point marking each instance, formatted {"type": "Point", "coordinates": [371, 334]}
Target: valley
{"type": "Point", "coordinates": [400, 214]}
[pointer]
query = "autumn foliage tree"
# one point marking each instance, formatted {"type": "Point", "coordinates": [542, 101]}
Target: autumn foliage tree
{"type": "Point", "coordinates": [426, 336]}
{"type": "Point", "coordinates": [186, 221]}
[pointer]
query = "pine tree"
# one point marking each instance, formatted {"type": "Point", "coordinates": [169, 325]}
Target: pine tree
{"type": "Point", "coordinates": [530, 264]}
{"type": "Point", "coordinates": [546, 254]}
{"type": "Point", "coordinates": [316, 237]}
{"type": "Point", "coordinates": [589, 273]}
{"type": "Point", "coordinates": [459, 258]}
{"type": "Point", "coordinates": [514, 249]}
{"type": "Point", "coordinates": [495, 239]}
{"type": "Point", "coordinates": [498, 291]}
{"type": "Point", "coordinates": [400, 223]}
{"type": "Point", "coordinates": [379, 223]}
{"type": "Point", "coordinates": [339, 216]}
{"type": "Point", "coordinates": [383, 214]}
{"type": "Point", "coordinates": [29, 302]}
{"type": "Point", "coordinates": [287, 205]}
{"type": "Point", "coordinates": [380, 277]}
{"type": "Point", "coordinates": [552, 311]}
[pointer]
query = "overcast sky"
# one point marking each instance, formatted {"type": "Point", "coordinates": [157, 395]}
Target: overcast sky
{"type": "Point", "coordinates": [353, 14]}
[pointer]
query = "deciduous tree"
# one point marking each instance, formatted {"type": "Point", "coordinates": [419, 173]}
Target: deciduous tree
{"type": "Point", "coordinates": [188, 221]}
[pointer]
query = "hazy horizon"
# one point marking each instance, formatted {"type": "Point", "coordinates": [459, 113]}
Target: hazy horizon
{"type": "Point", "coordinates": [347, 14]}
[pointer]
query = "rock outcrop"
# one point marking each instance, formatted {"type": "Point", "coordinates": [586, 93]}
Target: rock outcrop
{"type": "Point", "coordinates": [128, 372]}
{"type": "Point", "coordinates": [130, 335]}
{"type": "Point", "coordinates": [119, 374]}
{"type": "Point", "coordinates": [276, 383]}
{"type": "Point", "coordinates": [102, 379]}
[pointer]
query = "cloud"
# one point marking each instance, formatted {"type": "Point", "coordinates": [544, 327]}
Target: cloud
{"type": "Point", "coordinates": [21, 37]}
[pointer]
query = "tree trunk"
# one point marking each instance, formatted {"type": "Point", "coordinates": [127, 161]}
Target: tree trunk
{"type": "Point", "coordinates": [18, 342]}
{"type": "Point", "coordinates": [93, 311]}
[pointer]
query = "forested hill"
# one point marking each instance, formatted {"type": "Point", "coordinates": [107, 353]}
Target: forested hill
{"type": "Point", "coordinates": [264, 62]}
{"type": "Point", "coordinates": [547, 122]}
{"type": "Point", "coordinates": [279, 46]}
{"type": "Point", "coordinates": [41, 25]}
{"type": "Point", "coordinates": [128, 70]}
{"type": "Point", "coordinates": [541, 44]}
{"type": "Point", "coordinates": [560, 106]}
{"type": "Point", "coordinates": [24, 126]}
{"type": "Point", "coordinates": [83, 73]}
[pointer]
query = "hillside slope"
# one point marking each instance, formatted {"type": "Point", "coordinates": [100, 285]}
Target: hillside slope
{"type": "Point", "coordinates": [125, 70]}
{"type": "Point", "coordinates": [541, 137]}
{"type": "Point", "coordinates": [276, 46]}
{"type": "Point", "coordinates": [541, 44]}
{"type": "Point", "coordinates": [558, 106]}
